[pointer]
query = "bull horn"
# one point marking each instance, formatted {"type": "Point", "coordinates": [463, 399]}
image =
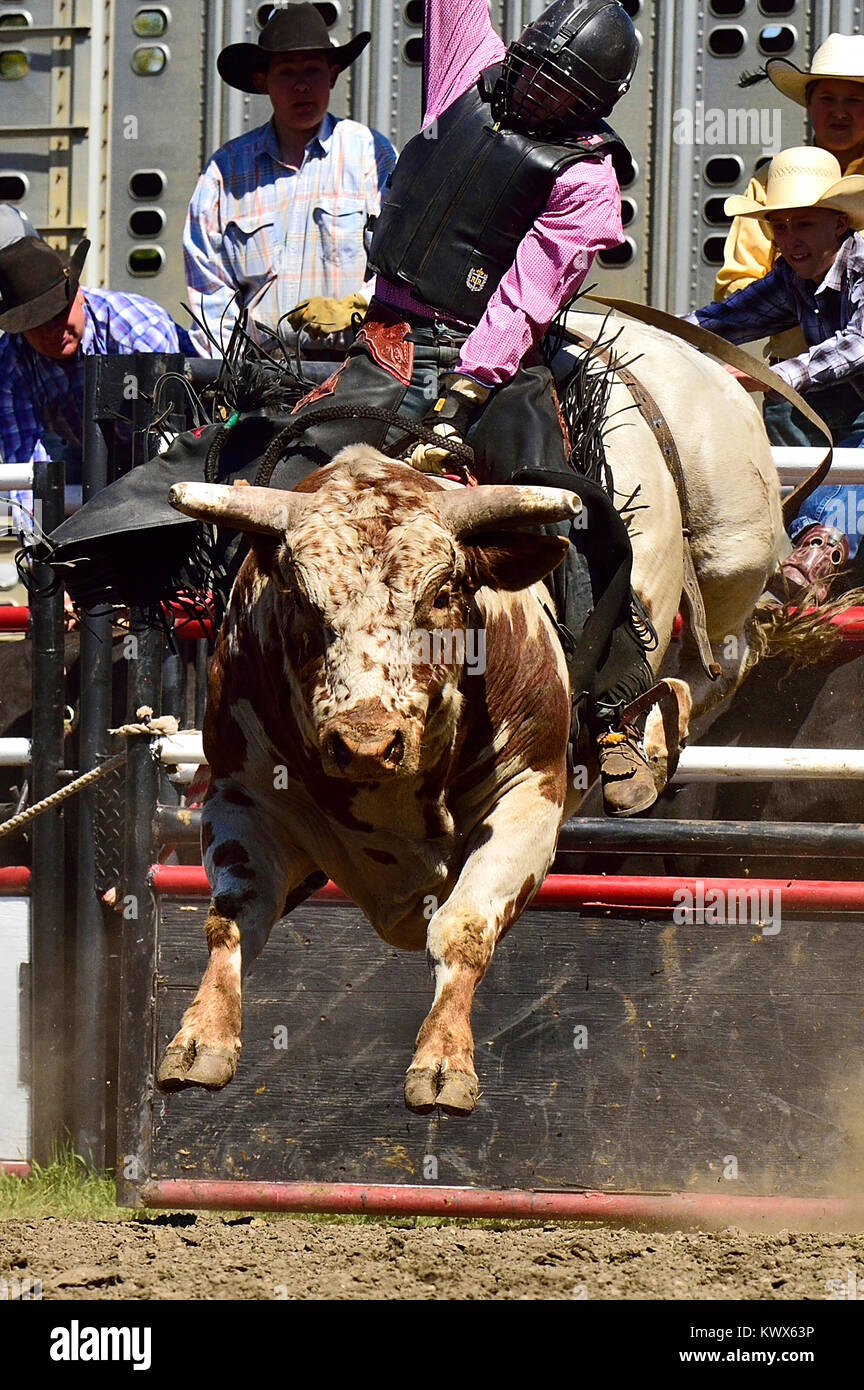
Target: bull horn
{"type": "Point", "coordinates": [269, 511]}
{"type": "Point", "coordinates": [468, 510]}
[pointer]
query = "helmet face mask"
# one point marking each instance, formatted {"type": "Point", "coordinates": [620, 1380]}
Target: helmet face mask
{"type": "Point", "coordinates": [538, 97]}
{"type": "Point", "coordinates": [575, 61]}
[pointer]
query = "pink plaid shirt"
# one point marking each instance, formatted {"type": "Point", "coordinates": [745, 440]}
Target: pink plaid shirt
{"type": "Point", "coordinates": [582, 216]}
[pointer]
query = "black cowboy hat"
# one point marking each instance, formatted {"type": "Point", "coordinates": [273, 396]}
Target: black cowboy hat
{"type": "Point", "coordinates": [36, 283]}
{"type": "Point", "coordinates": [294, 29]}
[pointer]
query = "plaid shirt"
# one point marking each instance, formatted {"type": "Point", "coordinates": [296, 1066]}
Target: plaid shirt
{"type": "Point", "coordinates": [39, 396]}
{"type": "Point", "coordinates": [831, 316]}
{"type": "Point", "coordinates": [581, 217]}
{"type": "Point", "coordinates": [280, 235]}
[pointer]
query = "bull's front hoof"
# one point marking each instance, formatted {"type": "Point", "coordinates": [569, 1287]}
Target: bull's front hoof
{"type": "Point", "coordinates": [454, 1091]}
{"type": "Point", "coordinates": [459, 1092]}
{"type": "Point", "coordinates": [210, 1067]}
{"type": "Point", "coordinates": [213, 1068]}
{"type": "Point", "coordinates": [175, 1063]}
{"type": "Point", "coordinates": [421, 1089]}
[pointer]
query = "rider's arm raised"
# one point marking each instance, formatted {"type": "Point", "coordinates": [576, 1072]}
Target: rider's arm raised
{"type": "Point", "coordinates": [459, 44]}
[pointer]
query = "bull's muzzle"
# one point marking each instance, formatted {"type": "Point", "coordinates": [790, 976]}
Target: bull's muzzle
{"type": "Point", "coordinates": [361, 753]}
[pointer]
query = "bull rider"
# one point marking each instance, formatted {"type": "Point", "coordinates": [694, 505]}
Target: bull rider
{"type": "Point", "coordinates": [492, 219]}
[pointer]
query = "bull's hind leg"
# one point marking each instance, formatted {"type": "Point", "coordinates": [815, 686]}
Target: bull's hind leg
{"type": "Point", "coordinates": [667, 730]}
{"type": "Point", "coordinates": [250, 875]}
{"type": "Point", "coordinates": [708, 698]}
{"type": "Point", "coordinates": [507, 859]}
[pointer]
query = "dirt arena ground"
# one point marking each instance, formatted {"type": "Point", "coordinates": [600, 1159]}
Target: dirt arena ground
{"type": "Point", "coordinates": [206, 1256]}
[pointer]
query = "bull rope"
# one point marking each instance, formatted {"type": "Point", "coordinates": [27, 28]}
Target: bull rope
{"type": "Point", "coordinates": [164, 725]}
{"type": "Point", "coordinates": [460, 452]}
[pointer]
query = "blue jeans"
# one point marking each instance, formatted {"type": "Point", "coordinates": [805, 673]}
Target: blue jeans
{"type": "Point", "coordinates": [836, 504]}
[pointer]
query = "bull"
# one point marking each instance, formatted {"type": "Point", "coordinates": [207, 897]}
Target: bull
{"type": "Point", "coordinates": [346, 735]}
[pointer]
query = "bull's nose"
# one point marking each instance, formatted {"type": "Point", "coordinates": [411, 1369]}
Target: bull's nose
{"type": "Point", "coordinates": [359, 756]}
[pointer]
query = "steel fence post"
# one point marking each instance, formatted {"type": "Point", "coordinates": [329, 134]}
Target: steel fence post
{"type": "Point", "coordinates": [48, 902]}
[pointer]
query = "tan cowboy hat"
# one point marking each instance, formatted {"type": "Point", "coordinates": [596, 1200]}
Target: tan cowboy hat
{"type": "Point", "coordinates": [805, 177]}
{"type": "Point", "coordinates": [841, 56]}
{"type": "Point", "coordinates": [290, 29]}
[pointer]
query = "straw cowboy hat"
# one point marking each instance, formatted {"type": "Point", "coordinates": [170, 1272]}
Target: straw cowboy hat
{"type": "Point", "coordinates": [841, 56]}
{"type": "Point", "coordinates": [36, 282]}
{"type": "Point", "coordinates": [293, 29]}
{"type": "Point", "coordinates": [805, 177]}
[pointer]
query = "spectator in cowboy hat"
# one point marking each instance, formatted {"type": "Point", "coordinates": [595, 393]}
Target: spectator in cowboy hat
{"type": "Point", "coordinates": [50, 324]}
{"type": "Point", "coordinates": [833, 92]}
{"type": "Point", "coordinates": [814, 218]}
{"type": "Point", "coordinates": [276, 223]}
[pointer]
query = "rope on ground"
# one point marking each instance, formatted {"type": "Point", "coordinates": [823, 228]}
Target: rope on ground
{"type": "Point", "coordinates": [164, 725]}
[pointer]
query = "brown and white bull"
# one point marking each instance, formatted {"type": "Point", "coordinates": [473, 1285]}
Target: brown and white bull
{"type": "Point", "coordinates": [389, 703]}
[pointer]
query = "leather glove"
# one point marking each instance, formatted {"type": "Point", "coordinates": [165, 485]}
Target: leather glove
{"type": "Point", "coordinates": [451, 417]}
{"type": "Point", "coordinates": [320, 317]}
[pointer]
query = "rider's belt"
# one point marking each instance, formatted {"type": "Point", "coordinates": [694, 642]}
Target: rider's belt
{"type": "Point", "coordinates": [653, 416]}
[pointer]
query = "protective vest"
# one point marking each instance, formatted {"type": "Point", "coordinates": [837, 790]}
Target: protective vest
{"type": "Point", "coordinates": [463, 196]}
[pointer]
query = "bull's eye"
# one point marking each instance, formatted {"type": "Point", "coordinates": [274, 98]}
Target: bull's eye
{"type": "Point", "coordinates": [442, 599]}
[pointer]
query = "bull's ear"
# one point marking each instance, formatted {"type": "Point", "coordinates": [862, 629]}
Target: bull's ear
{"type": "Point", "coordinates": [514, 559]}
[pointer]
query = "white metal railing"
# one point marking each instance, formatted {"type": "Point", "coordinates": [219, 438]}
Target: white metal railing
{"type": "Point", "coordinates": [701, 764]}
{"type": "Point", "coordinates": [16, 475]}
{"type": "Point", "coordinates": [794, 465]}
{"type": "Point", "coordinates": [709, 764]}
{"type": "Point", "coordinates": [15, 752]}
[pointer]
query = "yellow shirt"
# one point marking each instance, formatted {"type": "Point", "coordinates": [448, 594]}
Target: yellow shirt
{"type": "Point", "coordinates": [750, 254]}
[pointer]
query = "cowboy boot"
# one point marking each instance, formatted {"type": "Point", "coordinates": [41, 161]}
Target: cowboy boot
{"type": "Point", "coordinates": [626, 777]}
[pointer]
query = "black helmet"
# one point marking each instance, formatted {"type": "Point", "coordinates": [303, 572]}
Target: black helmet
{"type": "Point", "coordinates": [577, 59]}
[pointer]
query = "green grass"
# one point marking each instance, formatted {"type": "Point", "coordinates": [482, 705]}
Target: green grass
{"type": "Point", "coordinates": [66, 1187]}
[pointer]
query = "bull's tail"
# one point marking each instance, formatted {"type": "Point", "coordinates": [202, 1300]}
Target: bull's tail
{"type": "Point", "coordinates": [801, 634]}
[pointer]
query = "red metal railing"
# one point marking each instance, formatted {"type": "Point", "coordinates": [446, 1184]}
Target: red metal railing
{"type": "Point", "coordinates": [567, 891]}
{"type": "Point", "coordinates": [14, 880]}
{"type": "Point", "coordinates": [696, 1209]}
